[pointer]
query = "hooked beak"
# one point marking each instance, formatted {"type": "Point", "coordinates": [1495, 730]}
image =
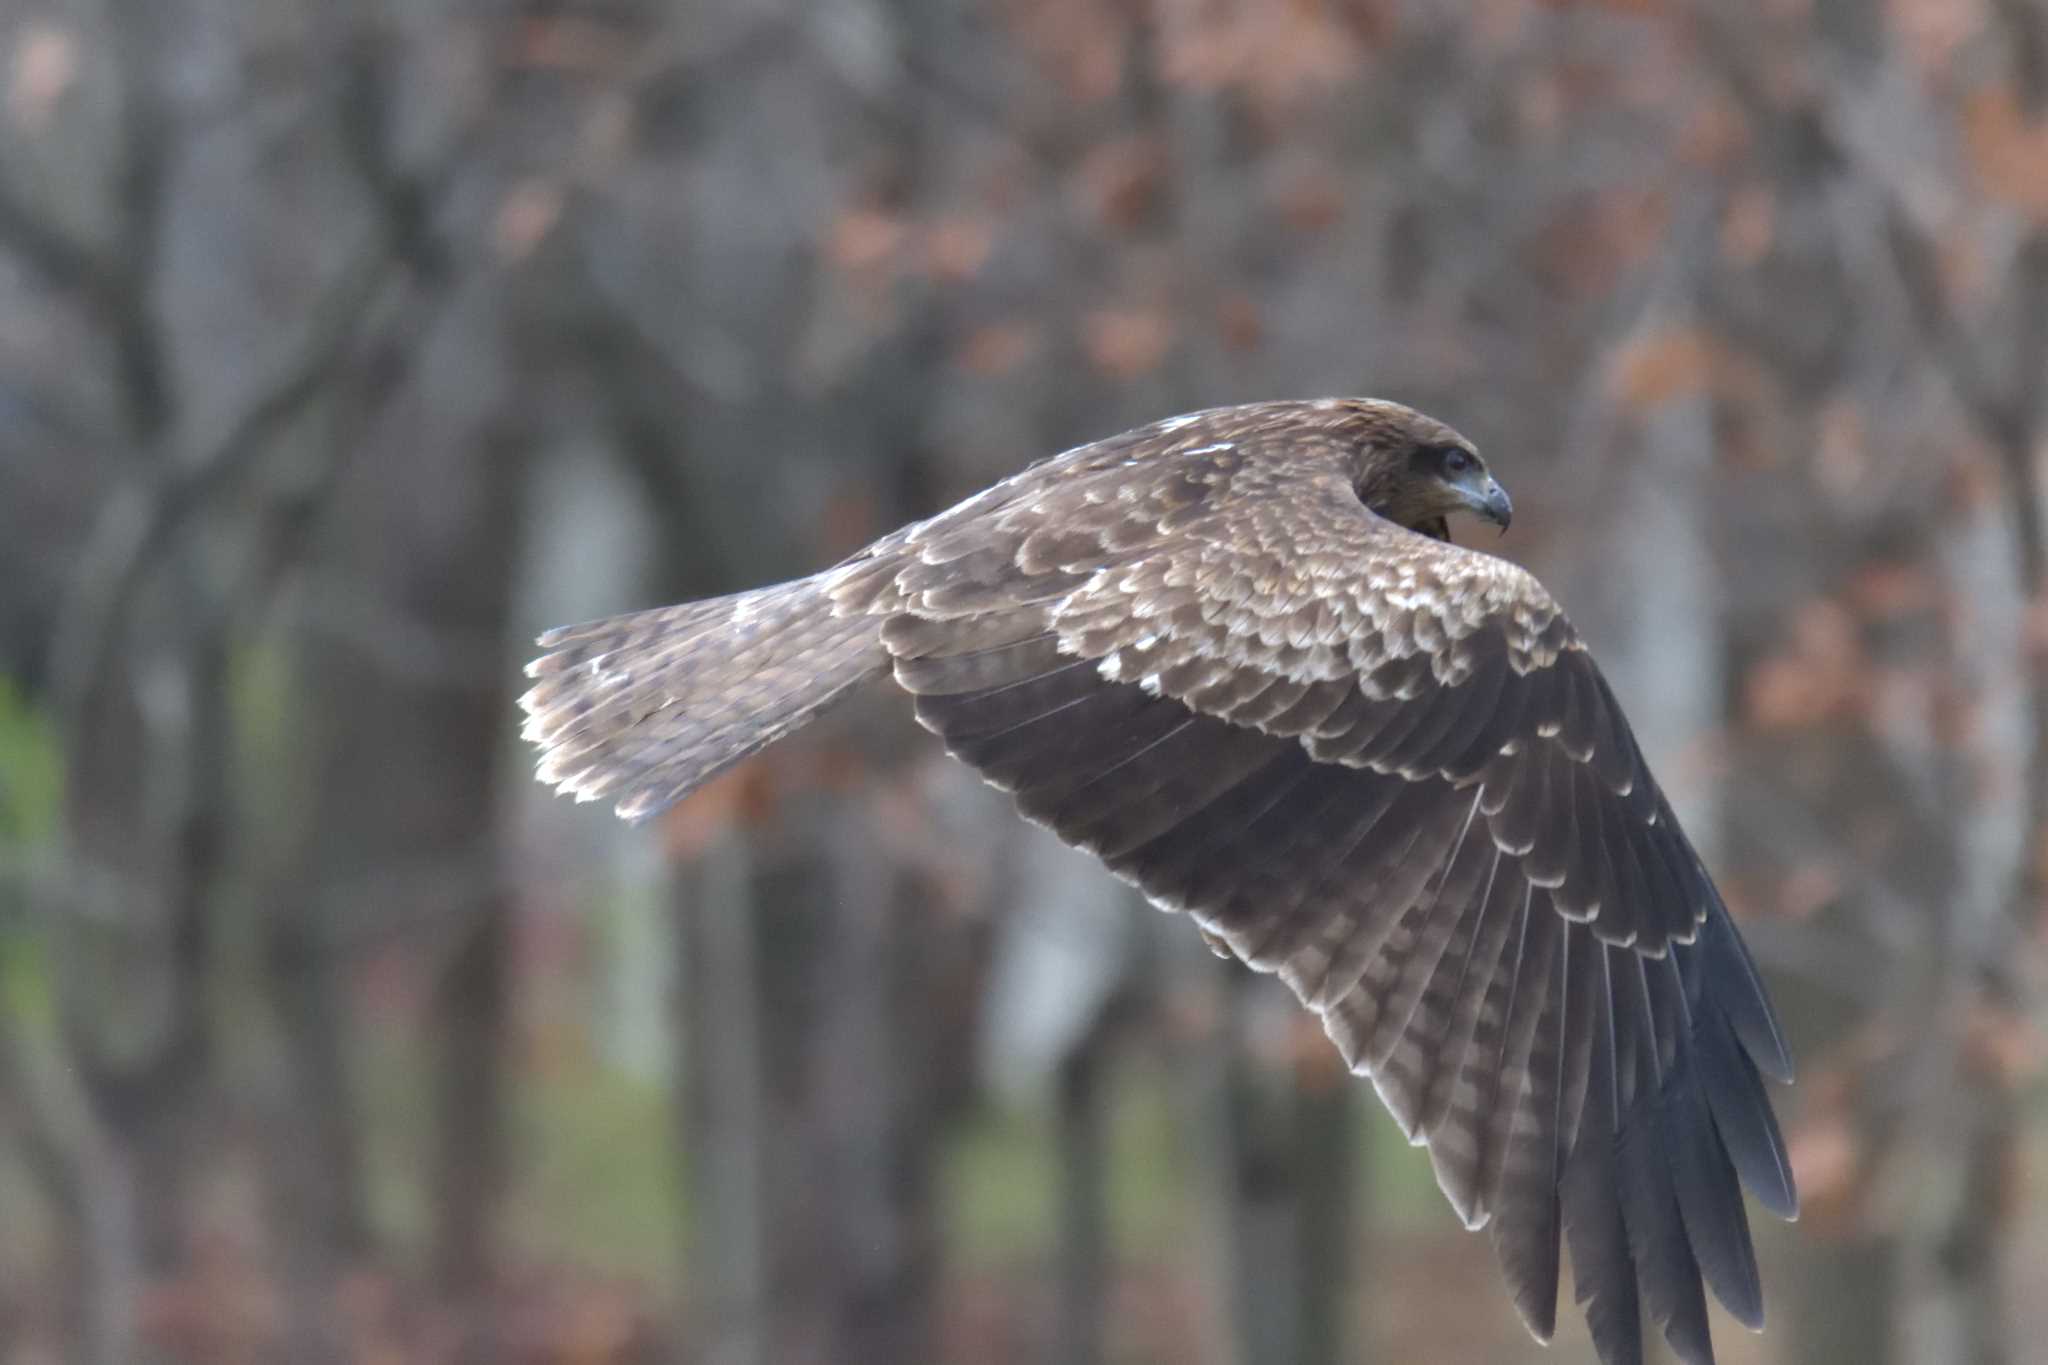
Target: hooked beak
{"type": "Point", "coordinates": [1489, 501]}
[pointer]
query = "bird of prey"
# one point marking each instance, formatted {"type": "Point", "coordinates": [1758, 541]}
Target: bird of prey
{"type": "Point", "coordinates": [1236, 656]}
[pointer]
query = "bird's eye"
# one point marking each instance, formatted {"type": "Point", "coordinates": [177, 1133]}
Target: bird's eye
{"type": "Point", "coordinates": [1457, 461]}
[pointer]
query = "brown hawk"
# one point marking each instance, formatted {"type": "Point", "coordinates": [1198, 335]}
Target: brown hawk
{"type": "Point", "coordinates": [1236, 657]}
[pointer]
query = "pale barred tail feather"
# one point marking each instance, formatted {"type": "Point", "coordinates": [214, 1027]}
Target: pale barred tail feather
{"type": "Point", "coordinates": [642, 709]}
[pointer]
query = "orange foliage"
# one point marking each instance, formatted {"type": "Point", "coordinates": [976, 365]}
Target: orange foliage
{"type": "Point", "coordinates": [1749, 224]}
{"type": "Point", "coordinates": [1650, 370]}
{"type": "Point", "coordinates": [1891, 589]}
{"type": "Point", "coordinates": [864, 238]}
{"type": "Point", "coordinates": [1081, 43]}
{"type": "Point", "coordinates": [1317, 1065]}
{"type": "Point", "coordinates": [1821, 675]}
{"type": "Point", "coordinates": [525, 218]}
{"type": "Point", "coordinates": [1311, 201]}
{"type": "Point", "coordinates": [1841, 460]}
{"type": "Point", "coordinates": [2008, 151]}
{"type": "Point", "coordinates": [746, 797]}
{"type": "Point", "coordinates": [956, 247]}
{"type": "Point", "coordinates": [1238, 317]}
{"type": "Point", "coordinates": [1126, 342]}
{"type": "Point", "coordinates": [45, 66]}
{"type": "Point", "coordinates": [2003, 1045]}
{"type": "Point", "coordinates": [997, 348]}
{"type": "Point", "coordinates": [1828, 1161]}
{"type": "Point", "coordinates": [1122, 180]}
{"type": "Point", "coordinates": [2034, 629]}
{"type": "Point", "coordinates": [1715, 134]}
{"type": "Point", "coordinates": [1602, 236]}
{"type": "Point", "coordinates": [1244, 45]}
{"type": "Point", "coordinates": [1807, 890]}
{"type": "Point", "coordinates": [560, 42]}
{"type": "Point", "coordinates": [1930, 31]}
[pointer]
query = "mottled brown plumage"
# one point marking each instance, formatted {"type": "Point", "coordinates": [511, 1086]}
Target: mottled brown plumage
{"type": "Point", "coordinates": [1235, 656]}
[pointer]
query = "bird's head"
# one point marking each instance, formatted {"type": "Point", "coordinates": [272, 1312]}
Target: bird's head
{"type": "Point", "coordinates": [1417, 472]}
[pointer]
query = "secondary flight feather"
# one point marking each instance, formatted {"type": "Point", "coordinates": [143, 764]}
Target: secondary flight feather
{"type": "Point", "coordinates": [1236, 656]}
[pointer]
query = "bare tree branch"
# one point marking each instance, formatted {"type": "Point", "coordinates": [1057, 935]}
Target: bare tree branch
{"type": "Point", "coordinates": [136, 527]}
{"type": "Point", "coordinates": [53, 252]}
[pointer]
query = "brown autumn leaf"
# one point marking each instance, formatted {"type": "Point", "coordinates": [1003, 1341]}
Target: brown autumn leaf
{"type": "Point", "coordinates": [2008, 150]}
{"type": "Point", "coordinates": [524, 219]}
{"type": "Point", "coordinates": [1964, 270]}
{"type": "Point", "coordinates": [1955, 713]}
{"type": "Point", "coordinates": [1651, 369]}
{"type": "Point", "coordinates": [1311, 200]}
{"type": "Point", "coordinates": [1279, 57]}
{"type": "Point", "coordinates": [997, 348]}
{"type": "Point", "coordinates": [1807, 890]}
{"type": "Point", "coordinates": [1930, 31]}
{"type": "Point", "coordinates": [1749, 224]}
{"type": "Point", "coordinates": [1372, 22]}
{"type": "Point", "coordinates": [956, 247]}
{"type": "Point", "coordinates": [748, 796]}
{"type": "Point", "coordinates": [1889, 589]}
{"type": "Point", "coordinates": [1739, 895]}
{"type": "Point", "coordinates": [1126, 342]}
{"type": "Point", "coordinates": [1618, 6]}
{"type": "Point", "coordinates": [1714, 135]}
{"type": "Point", "coordinates": [1828, 1164]}
{"type": "Point", "coordinates": [1974, 481]}
{"type": "Point", "coordinates": [1841, 459]}
{"type": "Point", "coordinates": [2040, 860]}
{"type": "Point", "coordinates": [1318, 1067]}
{"type": "Point", "coordinates": [864, 238]}
{"type": "Point", "coordinates": [1600, 236]}
{"type": "Point", "coordinates": [1825, 631]}
{"type": "Point", "coordinates": [598, 1326]}
{"type": "Point", "coordinates": [1238, 317]}
{"type": "Point", "coordinates": [1081, 44]}
{"type": "Point", "coordinates": [2034, 629]}
{"type": "Point", "coordinates": [849, 519]}
{"type": "Point", "coordinates": [2002, 1044]}
{"type": "Point", "coordinates": [1786, 693]}
{"type": "Point", "coordinates": [567, 43]}
{"type": "Point", "coordinates": [45, 66]}
{"type": "Point", "coordinates": [1818, 676]}
{"type": "Point", "coordinates": [1121, 181]}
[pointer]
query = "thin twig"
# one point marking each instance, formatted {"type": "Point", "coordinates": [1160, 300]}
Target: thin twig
{"type": "Point", "coordinates": [135, 527]}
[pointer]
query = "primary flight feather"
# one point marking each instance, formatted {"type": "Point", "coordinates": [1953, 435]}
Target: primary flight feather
{"type": "Point", "coordinates": [1235, 656]}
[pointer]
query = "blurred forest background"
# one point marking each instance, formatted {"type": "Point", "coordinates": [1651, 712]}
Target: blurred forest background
{"type": "Point", "coordinates": [345, 345]}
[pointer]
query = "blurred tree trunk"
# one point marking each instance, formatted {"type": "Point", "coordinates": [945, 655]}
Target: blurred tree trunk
{"type": "Point", "coordinates": [470, 1097]}
{"type": "Point", "coordinates": [1290, 1140]}
{"type": "Point", "coordinates": [1081, 1143]}
{"type": "Point", "coordinates": [316, 1159]}
{"type": "Point", "coordinates": [725, 1129]}
{"type": "Point", "coordinates": [407, 655]}
{"type": "Point", "coordinates": [1326, 1114]}
{"type": "Point", "coordinates": [822, 1057]}
{"type": "Point", "coordinates": [461, 584]}
{"type": "Point", "coordinates": [140, 668]}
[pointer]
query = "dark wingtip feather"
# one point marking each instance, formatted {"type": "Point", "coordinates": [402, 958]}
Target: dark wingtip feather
{"type": "Point", "coordinates": [1710, 1200]}
{"type": "Point", "coordinates": [1603, 1269]}
{"type": "Point", "coordinates": [1665, 1268]}
{"type": "Point", "coordinates": [1603, 1272]}
{"type": "Point", "coordinates": [1743, 1117]}
{"type": "Point", "coordinates": [1738, 989]}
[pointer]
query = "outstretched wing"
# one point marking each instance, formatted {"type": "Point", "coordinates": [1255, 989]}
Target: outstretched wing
{"type": "Point", "coordinates": [1384, 768]}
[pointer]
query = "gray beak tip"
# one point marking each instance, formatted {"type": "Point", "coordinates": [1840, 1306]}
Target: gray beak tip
{"type": "Point", "coordinates": [1497, 507]}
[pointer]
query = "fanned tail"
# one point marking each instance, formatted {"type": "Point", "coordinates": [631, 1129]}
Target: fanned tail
{"type": "Point", "coordinates": [644, 708]}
